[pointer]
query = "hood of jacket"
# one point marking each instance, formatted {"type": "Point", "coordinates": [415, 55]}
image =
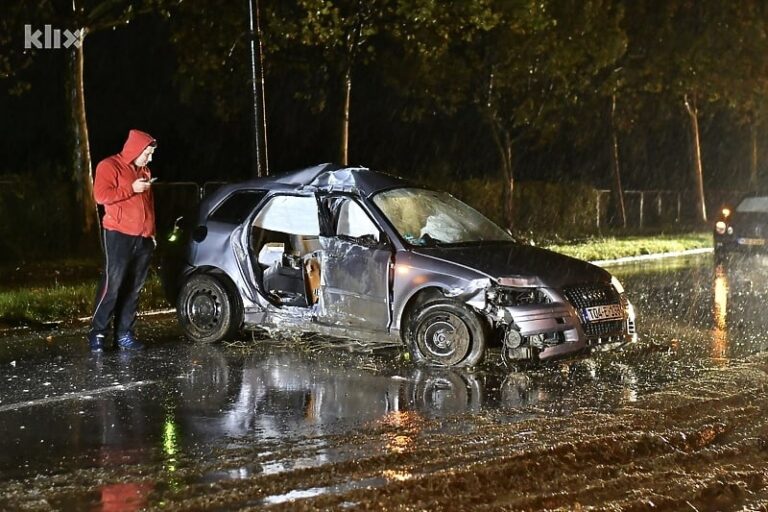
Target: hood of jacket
{"type": "Point", "coordinates": [136, 142]}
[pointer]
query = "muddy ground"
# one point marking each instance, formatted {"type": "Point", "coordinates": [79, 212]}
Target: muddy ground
{"type": "Point", "coordinates": [677, 422]}
{"type": "Point", "coordinates": [698, 445]}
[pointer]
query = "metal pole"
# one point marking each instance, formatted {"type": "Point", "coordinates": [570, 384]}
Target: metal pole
{"type": "Point", "coordinates": [597, 211]}
{"type": "Point", "coordinates": [260, 161]}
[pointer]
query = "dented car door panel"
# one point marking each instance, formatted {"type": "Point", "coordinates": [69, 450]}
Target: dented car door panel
{"type": "Point", "coordinates": [354, 288]}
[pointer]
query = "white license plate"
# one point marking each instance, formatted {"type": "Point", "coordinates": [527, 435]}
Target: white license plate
{"type": "Point", "coordinates": [751, 241]}
{"type": "Point", "coordinates": [604, 313]}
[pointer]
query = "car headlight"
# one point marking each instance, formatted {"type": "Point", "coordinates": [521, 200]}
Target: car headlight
{"type": "Point", "coordinates": [506, 296]}
{"type": "Point", "coordinates": [520, 281]}
{"type": "Point", "coordinates": [617, 284]}
{"type": "Point", "coordinates": [720, 227]}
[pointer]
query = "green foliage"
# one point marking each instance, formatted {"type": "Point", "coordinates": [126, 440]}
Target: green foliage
{"type": "Point", "coordinates": [212, 70]}
{"type": "Point", "coordinates": [613, 247]}
{"type": "Point", "coordinates": [483, 195]}
{"type": "Point", "coordinates": [543, 209]}
{"type": "Point", "coordinates": [67, 302]}
{"type": "Point", "coordinates": [533, 70]}
{"type": "Point", "coordinates": [46, 304]}
{"type": "Point", "coordinates": [568, 209]}
{"type": "Point", "coordinates": [37, 219]}
{"type": "Point", "coordinates": [706, 50]}
{"type": "Point", "coordinates": [13, 62]}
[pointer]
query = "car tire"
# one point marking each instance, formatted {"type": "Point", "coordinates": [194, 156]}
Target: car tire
{"type": "Point", "coordinates": [446, 333]}
{"type": "Point", "coordinates": [207, 310]}
{"type": "Point", "coordinates": [445, 390]}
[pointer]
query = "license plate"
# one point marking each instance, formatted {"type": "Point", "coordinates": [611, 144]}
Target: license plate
{"type": "Point", "coordinates": [603, 313]}
{"type": "Point", "coordinates": [751, 241]}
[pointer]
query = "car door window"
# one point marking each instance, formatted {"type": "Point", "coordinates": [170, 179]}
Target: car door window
{"type": "Point", "coordinates": [354, 222]}
{"type": "Point", "coordinates": [235, 208]}
{"type": "Point", "coordinates": [294, 215]}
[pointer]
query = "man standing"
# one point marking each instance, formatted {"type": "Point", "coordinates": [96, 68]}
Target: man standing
{"type": "Point", "coordinates": [123, 184]}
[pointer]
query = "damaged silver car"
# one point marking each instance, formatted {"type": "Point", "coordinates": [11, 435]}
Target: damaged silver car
{"type": "Point", "coordinates": [358, 254]}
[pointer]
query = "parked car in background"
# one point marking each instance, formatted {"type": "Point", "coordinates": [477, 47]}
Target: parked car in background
{"type": "Point", "coordinates": [742, 230]}
{"type": "Point", "coordinates": [350, 252]}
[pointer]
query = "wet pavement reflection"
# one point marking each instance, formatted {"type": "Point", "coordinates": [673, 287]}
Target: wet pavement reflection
{"type": "Point", "coordinates": [276, 405]}
{"type": "Point", "coordinates": [705, 314]}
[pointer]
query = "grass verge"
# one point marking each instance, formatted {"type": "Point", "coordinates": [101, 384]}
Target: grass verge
{"type": "Point", "coordinates": [64, 302]}
{"type": "Point", "coordinates": [606, 248]}
{"type": "Point", "coordinates": [64, 290]}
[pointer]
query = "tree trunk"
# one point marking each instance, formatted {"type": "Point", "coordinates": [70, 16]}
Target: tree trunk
{"type": "Point", "coordinates": [618, 191]}
{"type": "Point", "coordinates": [344, 147]}
{"type": "Point", "coordinates": [503, 143]}
{"type": "Point", "coordinates": [81, 170]}
{"type": "Point", "coordinates": [753, 163]}
{"type": "Point", "coordinates": [698, 174]}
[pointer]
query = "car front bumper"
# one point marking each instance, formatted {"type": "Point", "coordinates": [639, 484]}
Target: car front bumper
{"type": "Point", "coordinates": [729, 244]}
{"type": "Point", "coordinates": [555, 330]}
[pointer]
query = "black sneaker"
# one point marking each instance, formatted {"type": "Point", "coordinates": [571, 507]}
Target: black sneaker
{"type": "Point", "coordinates": [128, 342]}
{"type": "Point", "coordinates": [96, 342]}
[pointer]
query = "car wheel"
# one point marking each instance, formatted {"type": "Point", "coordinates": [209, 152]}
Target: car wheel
{"type": "Point", "coordinates": [446, 333]}
{"type": "Point", "coordinates": [207, 311]}
{"type": "Point", "coordinates": [446, 391]}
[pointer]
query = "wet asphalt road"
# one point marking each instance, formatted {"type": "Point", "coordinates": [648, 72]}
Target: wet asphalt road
{"type": "Point", "coordinates": [161, 428]}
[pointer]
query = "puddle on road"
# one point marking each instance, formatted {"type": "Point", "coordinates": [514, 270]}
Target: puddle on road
{"type": "Point", "coordinates": [701, 315]}
{"type": "Point", "coordinates": [211, 414]}
{"type": "Point", "coordinates": [318, 491]}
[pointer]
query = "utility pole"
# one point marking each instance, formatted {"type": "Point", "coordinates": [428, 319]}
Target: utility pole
{"type": "Point", "coordinates": [260, 158]}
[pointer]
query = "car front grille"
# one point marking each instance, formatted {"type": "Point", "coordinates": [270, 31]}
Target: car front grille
{"type": "Point", "coordinates": [586, 296]}
{"type": "Point", "coordinates": [602, 329]}
{"type": "Point", "coordinates": [591, 295]}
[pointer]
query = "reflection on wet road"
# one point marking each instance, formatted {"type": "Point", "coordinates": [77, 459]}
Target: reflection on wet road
{"type": "Point", "coordinates": [704, 315]}
{"type": "Point", "coordinates": [124, 431]}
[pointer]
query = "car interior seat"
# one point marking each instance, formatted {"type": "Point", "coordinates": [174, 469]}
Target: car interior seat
{"type": "Point", "coordinates": [307, 247]}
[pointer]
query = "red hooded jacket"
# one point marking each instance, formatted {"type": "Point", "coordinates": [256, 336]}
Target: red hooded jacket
{"type": "Point", "coordinates": [125, 210]}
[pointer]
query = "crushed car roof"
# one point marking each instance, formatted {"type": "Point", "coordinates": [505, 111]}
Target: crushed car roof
{"type": "Point", "coordinates": [328, 177]}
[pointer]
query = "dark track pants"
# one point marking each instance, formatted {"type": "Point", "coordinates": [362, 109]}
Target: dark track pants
{"type": "Point", "coordinates": [126, 263]}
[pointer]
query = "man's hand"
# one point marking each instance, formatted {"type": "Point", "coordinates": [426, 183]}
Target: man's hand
{"type": "Point", "coordinates": [141, 185]}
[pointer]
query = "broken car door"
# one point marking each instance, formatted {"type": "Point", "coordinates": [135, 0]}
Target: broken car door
{"type": "Point", "coordinates": [355, 267]}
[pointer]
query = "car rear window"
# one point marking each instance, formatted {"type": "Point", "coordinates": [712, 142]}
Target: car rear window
{"type": "Point", "coordinates": [753, 205]}
{"type": "Point", "coordinates": [295, 215]}
{"type": "Point", "coordinates": [236, 207]}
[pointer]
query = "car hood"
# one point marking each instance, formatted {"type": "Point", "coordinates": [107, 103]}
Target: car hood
{"type": "Point", "coordinates": [504, 260]}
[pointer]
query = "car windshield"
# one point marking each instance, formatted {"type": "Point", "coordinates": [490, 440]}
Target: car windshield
{"type": "Point", "coordinates": [427, 217]}
{"type": "Point", "coordinates": [753, 205]}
